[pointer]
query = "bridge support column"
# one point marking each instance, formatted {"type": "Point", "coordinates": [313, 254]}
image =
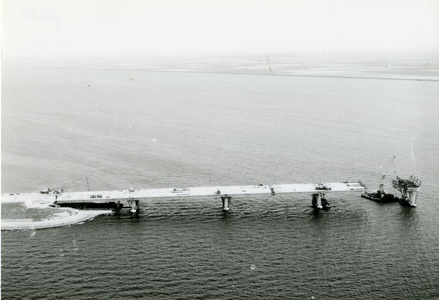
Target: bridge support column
{"type": "Point", "coordinates": [134, 205]}
{"type": "Point", "coordinates": [226, 201]}
{"type": "Point", "coordinates": [118, 207]}
{"type": "Point", "coordinates": [412, 194]}
{"type": "Point", "coordinates": [317, 200]}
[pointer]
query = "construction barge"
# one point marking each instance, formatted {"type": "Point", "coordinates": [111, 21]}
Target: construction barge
{"type": "Point", "coordinates": [131, 198]}
{"type": "Point", "coordinates": [380, 195]}
{"type": "Point", "coordinates": [408, 188]}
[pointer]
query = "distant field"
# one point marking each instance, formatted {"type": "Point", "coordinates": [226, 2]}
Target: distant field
{"type": "Point", "coordinates": [423, 66]}
{"type": "Point", "coordinates": [389, 67]}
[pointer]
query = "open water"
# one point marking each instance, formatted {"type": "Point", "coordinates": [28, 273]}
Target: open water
{"type": "Point", "coordinates": [124, 128]}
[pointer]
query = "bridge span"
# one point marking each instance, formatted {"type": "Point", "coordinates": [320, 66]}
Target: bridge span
{"type": "Point", "coordinates": [131, 197]}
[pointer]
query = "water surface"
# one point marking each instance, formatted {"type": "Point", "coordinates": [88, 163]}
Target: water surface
{"type": "Point", "coordinates": [142, 129]}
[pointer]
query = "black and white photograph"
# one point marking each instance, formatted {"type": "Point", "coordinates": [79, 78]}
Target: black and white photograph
{"type": "Point", "coordinates": [234, 149]}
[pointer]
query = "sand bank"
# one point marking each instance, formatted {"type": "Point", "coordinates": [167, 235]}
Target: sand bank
{"type": "Point", "coordinates": [60, 219]}
{"type": "Point", "coordinates": [29, 211]}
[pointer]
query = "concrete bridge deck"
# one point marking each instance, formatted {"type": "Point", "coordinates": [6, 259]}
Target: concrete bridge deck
{"type": "Point", "coordinates": [134, 197]}
{"type": "Point", "coordinates": [102, 196]}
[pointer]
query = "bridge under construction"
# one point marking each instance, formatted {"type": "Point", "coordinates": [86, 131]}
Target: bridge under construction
{"type": "Point", "coordinates": [117, 199]}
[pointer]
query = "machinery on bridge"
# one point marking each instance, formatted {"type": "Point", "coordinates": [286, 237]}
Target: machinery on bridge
{"type": "Point", "coordinates": [408, 188]}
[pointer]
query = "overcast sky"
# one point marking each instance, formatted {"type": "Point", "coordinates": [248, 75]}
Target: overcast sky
{"type": "Point", "coordinates": [45, 29]}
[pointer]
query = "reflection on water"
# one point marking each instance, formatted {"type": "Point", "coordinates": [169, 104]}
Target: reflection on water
{"type": "Point", "coordinates": [226, 215]}
{"type": "Point", "coordinates": [316, 214]}
{"type": "Point", "coordinates": [408, 213]}
{"type": "Point", "coordinates": [408, 217]}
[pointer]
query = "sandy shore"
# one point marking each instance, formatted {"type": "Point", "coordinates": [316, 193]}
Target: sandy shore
{"type": "Point", "coordinates": [33, 211]}
{"type": "Point", "coordinates": [61, 219]}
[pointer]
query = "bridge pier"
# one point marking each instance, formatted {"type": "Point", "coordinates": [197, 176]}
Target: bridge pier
{"type": "Point", "coordinates": [226, 201]}
{"type": "Point", "coordinates": [317, 200]}
{"type": "Point", "coordinates": [134, 205]}
{"type": "Point", "coordinates": [118, 207]}
{"type": "Point", "coordinates": [412, 194]}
